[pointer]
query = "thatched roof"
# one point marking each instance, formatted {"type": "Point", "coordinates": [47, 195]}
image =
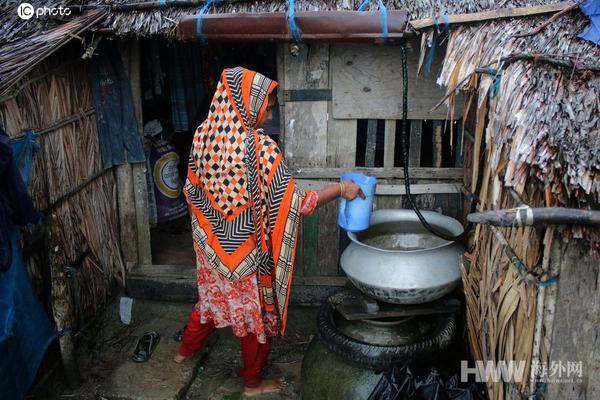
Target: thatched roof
{"type": "Point", "coordinates": [544, 120]}
{"type": "Point", "coordinates": [163, 20]}
{"type": "Point", "coordinates": [18, 57]}
{"type": "Point", "coordinates": [14, 28]}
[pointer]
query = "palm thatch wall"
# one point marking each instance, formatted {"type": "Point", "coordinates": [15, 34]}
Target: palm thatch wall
{"type": "Point", "coordinates": [536, 143]}
{"type": "Point", "coordinates": [55, 98]}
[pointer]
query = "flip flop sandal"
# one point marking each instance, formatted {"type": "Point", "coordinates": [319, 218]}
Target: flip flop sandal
{"type": "Point", "coordinates": [178, 336]}
{"type": "Point", "coordinates": [145, 347]}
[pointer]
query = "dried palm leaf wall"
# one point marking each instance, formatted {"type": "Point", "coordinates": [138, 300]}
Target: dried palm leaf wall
{"type": "Point", "coordinates": [57, 94]}
{"type": "Point", "coordinates": [536, 142]}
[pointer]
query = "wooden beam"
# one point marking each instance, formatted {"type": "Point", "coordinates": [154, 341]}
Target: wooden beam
{"type": "Point", "coordinates": [187, 273]}
{"type": "Point", "coordinates": [493, 14]}
{"type": "Point", "coordinates": [392, 190]}
{"type": "Point", "coordinates": [451, 174]}
{"type": "Point", "coordinates": [352, 309]}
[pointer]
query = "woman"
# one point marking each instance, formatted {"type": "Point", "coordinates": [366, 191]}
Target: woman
{"type": "Point", "coordinates": [245, 210]}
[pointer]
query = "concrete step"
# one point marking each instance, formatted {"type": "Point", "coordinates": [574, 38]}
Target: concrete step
{"type": "Point", "coordinates": [178, 283]}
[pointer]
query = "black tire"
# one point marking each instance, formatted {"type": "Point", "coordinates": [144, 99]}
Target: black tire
{"type": "Point", "coordinates": [377, 356]}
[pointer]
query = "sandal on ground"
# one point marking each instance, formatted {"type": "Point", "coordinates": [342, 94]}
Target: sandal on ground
{"type": "Point", "coordinates": [178, 336]}
{"type": "Point", "coordinates": [145, 347]}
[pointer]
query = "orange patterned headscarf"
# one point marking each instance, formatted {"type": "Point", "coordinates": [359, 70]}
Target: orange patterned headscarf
{"type": "Point", "coordinates": [244, 203]}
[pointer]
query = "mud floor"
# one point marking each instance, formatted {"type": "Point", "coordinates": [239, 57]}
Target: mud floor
{"type": "Point", "coordinates": [108, 372]}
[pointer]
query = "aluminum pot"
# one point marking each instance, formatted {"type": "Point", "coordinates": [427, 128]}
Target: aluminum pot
{"type": "Point", "coordinates": [396, 260]}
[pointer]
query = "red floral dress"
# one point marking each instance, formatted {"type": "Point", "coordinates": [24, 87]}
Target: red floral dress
{"type": "Point", "coordinates": [236, 303]}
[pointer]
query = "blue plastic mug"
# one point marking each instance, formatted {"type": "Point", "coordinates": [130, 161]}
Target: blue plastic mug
{"type": "Point", "coordinates": [354, 215]}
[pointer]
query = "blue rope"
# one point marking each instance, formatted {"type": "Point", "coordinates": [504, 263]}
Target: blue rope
{"type": "Point", "coordinates": [549, 281]}
{"type": "Point", "coordinates": [66, 329]}
{"type": "Point", "coordinates": [363, 5]}
{"type": "Point", "coordinates": [519, 266]}
{"type": "Point", "coordinates": [201, 16]}
{"type": "Point", "coordinates": [162, 3]}
{"type": "Point", "coordinates": [384, 20]}
{"type": "Point", "coordinates": [430, 56]}
{"type": "Point", "coordinates": [382, 12]}
{"type": "Point", "coordinates": [497, 76]}
{"type": "Point", "coordinates": [436, 31]}
{"type": "Point", "coordinates": [446, 22]}
{"type": "Point", "coordinates": [296, 34]}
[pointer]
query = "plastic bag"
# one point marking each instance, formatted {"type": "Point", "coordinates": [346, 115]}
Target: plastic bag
{"type": "Point", "coordinates": [399, 383]}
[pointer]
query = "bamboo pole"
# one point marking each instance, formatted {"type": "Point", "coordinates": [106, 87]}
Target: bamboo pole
{"type": "Point", "coordinates": [469, 18]}
{"type": "Point", "coordinates": [62, 302]}
{"type": "Point", "coordinates": [60, 123]}
{"type": "Point", "coordinates": [150, 5]}
{"type": "Point", "coordinates": [62, 198]}
{"type": "Point", "coordinates": [536, 216]}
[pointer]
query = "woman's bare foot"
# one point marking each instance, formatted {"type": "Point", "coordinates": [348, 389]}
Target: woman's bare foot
{"type": "Point", "coordinates": [266, 386]}
{"type": "Point", "coordinates": [179, 358]}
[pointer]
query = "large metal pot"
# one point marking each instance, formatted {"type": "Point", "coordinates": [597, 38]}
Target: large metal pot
{"type": "Point", "coordinates": [396, 260]}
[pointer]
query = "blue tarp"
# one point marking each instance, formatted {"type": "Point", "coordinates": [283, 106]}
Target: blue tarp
{"type": "Point", "coordinates": [120, 141]}
{"type": "Point", "coordinates": [25, 329]}
{"type": "Point", "coordinates": [591, 8]}
{"type": "Point", "coordinates": [15, 205]}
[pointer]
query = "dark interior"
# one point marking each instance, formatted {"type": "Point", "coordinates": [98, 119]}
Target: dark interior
{"type": "Point", "coordinates": [183, 76]}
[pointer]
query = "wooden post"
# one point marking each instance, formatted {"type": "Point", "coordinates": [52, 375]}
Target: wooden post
{"type": "Point", "coordinates": [575, 335]}
{"type": "Point", "coordinates": [127, 216]}
{"type": "Point", "coordinates": [390, 143]}
{"type": "Point", "coordinates": [130, 53]}
{"type": "Point", "coordinates": [438, 129]}
{"type": "Point", "coordinates": [62, 302]}
{"type": "Point", "coordinates": [142, 215]}
{"type": "Point", "coordinates": [371, 143]}
{"type": "Point", "coordinates": [416, 130]}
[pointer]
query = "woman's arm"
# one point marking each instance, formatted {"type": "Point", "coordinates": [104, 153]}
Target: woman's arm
{"type": "Point", "coordinates": [347, 189]}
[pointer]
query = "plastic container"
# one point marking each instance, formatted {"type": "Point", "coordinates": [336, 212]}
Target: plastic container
{"type": "Point", "coordinates": [353, 216]}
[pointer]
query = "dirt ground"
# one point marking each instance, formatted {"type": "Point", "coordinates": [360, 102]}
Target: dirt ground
{"type": "Point", "coordinates": [108, 372]}
{"type": "Point", "coordinates": [172, 243]}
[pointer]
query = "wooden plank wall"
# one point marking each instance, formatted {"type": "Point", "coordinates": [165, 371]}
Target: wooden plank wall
{"type": "Point", "coordinates": [319, 147]}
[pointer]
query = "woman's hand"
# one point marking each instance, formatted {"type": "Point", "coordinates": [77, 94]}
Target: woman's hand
{"type": "Point", "coordinates": [349, 190]}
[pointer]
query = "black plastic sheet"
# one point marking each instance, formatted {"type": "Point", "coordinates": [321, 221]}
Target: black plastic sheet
{"type": "Point", "coordinates": [399, 383]}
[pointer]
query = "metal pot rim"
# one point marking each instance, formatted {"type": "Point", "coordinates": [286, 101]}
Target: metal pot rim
{"type": "Point", "coordinates": [400, 215]}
